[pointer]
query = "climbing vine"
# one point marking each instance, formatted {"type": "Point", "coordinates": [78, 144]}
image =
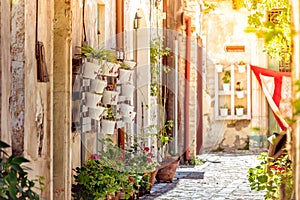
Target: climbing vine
{"type": "Point", "coordinates": [270, 19]}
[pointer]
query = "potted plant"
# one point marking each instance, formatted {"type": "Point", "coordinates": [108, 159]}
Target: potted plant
{"type": "Point", "coordinates": [125, 76]}
{"type": "Point", "coordinates": [239, 90]}
{"type": "Point", "coordinates": [257, 138]}
{"type": "Point", "coordinates": [92, 100]}
{"type": "Point", "coordinates": [219, 67]}
{"type": "Point", "coordinates": [224, 110]}
{"type": "Point", "coordinates": [108, 122]}
{"type": "Point", "coordinates": [98, 85]}
{"type": "Point", "coordinates": [128, 64]}
{"type": "Point", "coordinates": [127, 90]}
{"type": "Point", "coordinates": [104, 175]}
{"type": "Point", "coordinates": [226, 81]}
{"type": "Point", "coordinates": [239, 110]}
{"type": "Point", "coordinates": [110, 97]}
{"type": "Point", "coordinates": [241, 67]}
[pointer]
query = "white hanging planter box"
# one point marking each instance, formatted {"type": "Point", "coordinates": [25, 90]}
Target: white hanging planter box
{"type": "Point", "coordinates": [130, 118]}
{"type": "Point", "coordinates": [110, 97]}
{"type": "Point", "coordinates": [223, 111]}
{"type": "Point", "coordinates": [241, 68]}
{"type": "Point", "coordinates": [130, 64]}
{"type": "Point", "coordinates": [91, 69]}
{"type": "Point", "coordinates": [126, 109]}
{"type": "Point", "coordinates": [96, 113]}
{"type": "Point", "coordinates": [110, 69]}
{"type": "Point", "coordinates": [226, 87]}
{"type": "Point", "coordinates": [240, 94]}
{"type": "Point", "coordinates": [127, 90]}
{"type": "Point", "coordinates": [219, 67]}
{"type": "Point", "coordinates": [239, 111]}
{"type": "Point", "coordinates": [125, 76]}
{"type": "Point", "coordinates": [108, 126]}
{"type": "Point", "coordinates": [98, 85]}
{"type": "Point", "coordinates": [93, 100]}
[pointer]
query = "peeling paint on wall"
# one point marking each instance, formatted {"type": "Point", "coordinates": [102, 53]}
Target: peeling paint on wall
{"type": "Point", "coordinates": [16, 103]}
{"type": "Point", "coordinates": [39, 120]}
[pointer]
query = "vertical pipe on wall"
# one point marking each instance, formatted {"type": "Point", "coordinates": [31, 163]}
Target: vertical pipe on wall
{"type": "Point", "coordinates": [199, 137]}
{"type": "Point", "coordinates": [119, 42]}
{"type": "Point", "coordinates": [187, 20]}
{"type": "Point", "coordinates": [176, 96]}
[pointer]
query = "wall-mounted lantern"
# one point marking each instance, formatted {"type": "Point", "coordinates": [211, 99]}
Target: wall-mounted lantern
{"type": "Point", "coordinates": [137, 20]}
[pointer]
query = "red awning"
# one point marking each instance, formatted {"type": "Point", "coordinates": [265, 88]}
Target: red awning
{"type": "Point", "coordinates": [277, 87]}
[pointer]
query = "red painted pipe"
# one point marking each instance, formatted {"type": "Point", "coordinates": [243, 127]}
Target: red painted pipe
{"type": "Point", "coordinates": [119, 42]}
{"type": "Point", "coordinates": [188, 31]}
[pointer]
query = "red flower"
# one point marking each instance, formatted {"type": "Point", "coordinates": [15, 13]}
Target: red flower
{"type": "Point", "coordinates": [276, 168]}
{"type": "Point", "coordinates": [149, 159]}
{"type": "Point", "coordinates": [131, 179]}
{"type": "Point", "coordinates": [95, 157]}
{"type": "Point", "coordinates": [147, 149]}
{"type": "Point", "coordinates": [120, 158]}
{"type": "Point", "coordinates": [150, 154]}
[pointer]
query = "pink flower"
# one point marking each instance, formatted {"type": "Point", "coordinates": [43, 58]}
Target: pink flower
{"type": "Point", "coordinates": [150, 154]}
{"type": "Point", "coordinates": [149, 159]}
{"type": "Point", "coordinates": [95, 157]}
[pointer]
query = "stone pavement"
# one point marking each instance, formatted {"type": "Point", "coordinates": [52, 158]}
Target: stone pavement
{"type": "Point", "coordinates": [222, 176]}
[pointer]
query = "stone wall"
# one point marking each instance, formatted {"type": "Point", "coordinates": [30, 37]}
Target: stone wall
{"type": "Point", "coordinates": [222, 27]}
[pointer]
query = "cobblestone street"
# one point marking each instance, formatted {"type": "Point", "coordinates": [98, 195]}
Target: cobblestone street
{"type": "Point", "coordinates": [222, 176]}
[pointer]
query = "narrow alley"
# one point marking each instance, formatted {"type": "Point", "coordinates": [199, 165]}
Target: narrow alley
{"type": "Point", "coordinates": [222, 176]}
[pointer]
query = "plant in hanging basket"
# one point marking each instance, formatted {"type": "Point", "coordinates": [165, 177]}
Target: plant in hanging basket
{"type": "Point", "coordinates": [239, 90]}
{"type": "Point", "coordinates": [108, 122]}
{"type": "Point", "coordinates": [239, 109]}
{"type": "Point", "coordinates": [241, 66]}
{"type": "Point", "coordinates": [226, 77]}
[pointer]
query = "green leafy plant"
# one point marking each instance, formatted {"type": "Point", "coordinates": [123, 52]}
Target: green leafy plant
{"type": "Point", "coordinates": [14, 181]}
{"type": "Point", "coordinates": [271, 175]}
{"type": "Point", "coordinates": [99, 54]}
{"type": "Point", "coordinates": [226, 77]}
{"type": "Point", "coordinates": [209, 7]}
{"type": "Point", "coordinates": [157, 51]}
{"type": "Point", "coordinates": [225, 106]}
{"type": "Point", "coordinates": [239, 106]}
{"type": "Point", "coordinates": [277, 32]}
{"type": "Point", "coordinates": [113, 170]}
{"type": "Point", "coordinates": [110, 115]}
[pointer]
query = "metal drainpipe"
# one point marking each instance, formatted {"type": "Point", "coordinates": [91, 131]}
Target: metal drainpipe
{"type": "Point", "coordinates": [119, 42]}
{"type": "Point", "coordinates": [119, 23]}
{"type": "Point", "coordinates": [187, 20]}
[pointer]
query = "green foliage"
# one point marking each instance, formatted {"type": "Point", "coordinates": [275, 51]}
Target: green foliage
{"type": "Point", "coordinates": [156, 53]}
{"type": "Point", "coordinates": [277, 35]}
{"type": "Point", "coordinates": [209, 7]}
{"type": "Point", "coordinates": [14, 181]}
{"type": "Point", "coordinates": [296, 103]}
{"type": "Point", "coordinates": [226, 77]}
{"type": "Point", "coordinates": [113, 170]}
{"type": "Point", "coordinates": [110, 115]}
{"type": "Point", "coordinates": [99, 54]}
{"type": "Point", "coordinates": [271, 176]}
{"type": "Point", "coordinates": [194, 161]}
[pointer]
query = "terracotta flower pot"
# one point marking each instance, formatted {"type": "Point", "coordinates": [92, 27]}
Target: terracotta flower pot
{"type": "Point", "coordinates": [167, 170]}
